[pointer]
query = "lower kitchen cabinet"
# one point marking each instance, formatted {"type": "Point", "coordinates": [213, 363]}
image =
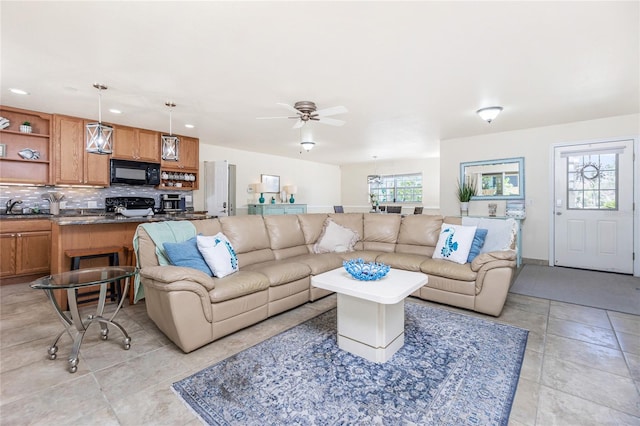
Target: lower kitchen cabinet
{"type": "Point", "coordinates": [26, 247]}
{"type": "Point", "coordinates": [271, 209]}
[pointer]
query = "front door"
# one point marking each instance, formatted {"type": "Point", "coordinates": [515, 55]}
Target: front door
{"type": "Point", "coordinates": [593, 206]}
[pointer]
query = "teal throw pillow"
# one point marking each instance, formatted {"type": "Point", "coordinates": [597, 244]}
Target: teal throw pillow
{"type": "Point", "coordinates": [187, 254]}
{"type": "Point", "coordinates": [478, 242]}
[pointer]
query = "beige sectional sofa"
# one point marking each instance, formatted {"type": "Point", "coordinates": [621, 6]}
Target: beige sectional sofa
{"type": "Point", "coordinates": [276, 259]}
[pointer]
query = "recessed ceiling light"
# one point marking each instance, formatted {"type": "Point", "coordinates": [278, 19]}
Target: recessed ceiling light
{"type": "Point", "coordinates": [115, 111]}
{"type": "Point", "coordinates": [18, 91]}
{"type": "Point", "coordinates": [189, 126]}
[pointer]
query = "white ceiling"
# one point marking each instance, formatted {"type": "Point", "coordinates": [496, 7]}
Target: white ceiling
{"type": "Point", "coordinates": [410, 73]}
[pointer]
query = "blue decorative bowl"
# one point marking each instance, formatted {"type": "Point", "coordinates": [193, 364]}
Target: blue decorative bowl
{"type": "Point", "coordinates": [365, 271]}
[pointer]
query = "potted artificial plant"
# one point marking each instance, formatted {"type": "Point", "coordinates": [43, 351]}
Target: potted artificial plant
{"type": "Point", "coordinates": [465, 191]}
{"type": "Point", "coordinates": [25, 127]}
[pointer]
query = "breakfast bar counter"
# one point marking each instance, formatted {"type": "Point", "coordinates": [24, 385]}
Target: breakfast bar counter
{"type": "Point", "coordinates": [96, 234]}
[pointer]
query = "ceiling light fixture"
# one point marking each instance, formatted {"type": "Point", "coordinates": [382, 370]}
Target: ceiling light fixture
{"type": "Point", "coordinates": [189, 126]}
{"type": "Point", "coordinates": [18, 91]}
{"type": "Point", "coordinates": [115, 111]}
{"type": "Point", "coordinates": [307, 145]}
{"type": "Point", "coordinates": [306, 138]}
{"type": "Point", "coordinates": [489, 113]}
{"type": "Point", "coordinates": [170, 143]}
{"type": "Point", "coordinates": [99, 136]}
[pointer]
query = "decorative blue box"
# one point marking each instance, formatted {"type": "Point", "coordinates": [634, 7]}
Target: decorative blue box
{"type": "Point", "coordinates": [365, 271]}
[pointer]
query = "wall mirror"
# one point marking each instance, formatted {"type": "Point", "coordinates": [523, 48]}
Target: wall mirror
{"type": "Point", "coordinates": [501, 179]}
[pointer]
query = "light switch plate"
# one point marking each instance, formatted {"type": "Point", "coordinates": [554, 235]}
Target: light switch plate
{"type": "Point", "coordinates": [92, 204]}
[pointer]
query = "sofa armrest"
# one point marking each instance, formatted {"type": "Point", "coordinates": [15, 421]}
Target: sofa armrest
{"type": "Point", "coordinates": [485, 262]}
{"type": "Point", "coordinates": [170, 274]}
{"type": "Point", "coordinates": [504, 258]}
{"type": "Point", "coordinates": [175, 279]}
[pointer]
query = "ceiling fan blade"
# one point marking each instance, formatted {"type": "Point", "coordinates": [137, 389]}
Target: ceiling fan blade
{"type": "Point", "coordinates": [330, 121]}
{"type": "Point", "coordinates": [289, 107]}
{"type": "Point", "coordinates": [269, 118]}
{"type": "Point", "coordinates": [331, 111]}
{"type": "Point", "coordinates": [298, 124]}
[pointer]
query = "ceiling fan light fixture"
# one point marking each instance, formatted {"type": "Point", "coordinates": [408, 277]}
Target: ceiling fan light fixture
{"type": "Point", "coordinates": [488, 114]}
{"type": "Point", "coordinates": [308, 145]}
{"type": "Point", "coordinates": [99, 137]}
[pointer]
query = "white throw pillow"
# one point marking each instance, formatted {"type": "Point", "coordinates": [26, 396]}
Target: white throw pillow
{"type": "Point", "coordinates": [218, 253]}
{"type": "Point", "coordinates": [336, 238]}
{"type": "Point", "coordinates": [502, 232]}
{"type": "Point", "coordinates": [454, 242]}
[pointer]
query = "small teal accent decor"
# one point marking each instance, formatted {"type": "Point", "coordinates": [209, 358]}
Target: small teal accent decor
{"type": "Point", "coordinates": [449, 245]}
{"type": "Point", "coordinates": [365, 271]}
{"type": "Point", "coordinates": [261, 199]}
{"type": "Point", "coordinates": [292, 200]}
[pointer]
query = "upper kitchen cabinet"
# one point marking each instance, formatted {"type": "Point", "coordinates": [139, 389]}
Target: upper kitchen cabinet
{"type": "Point", "coordinates": [187, 165]}
{"type": "Point", "coordinates": [25, 150]}
{"type": "Point", "coordinates": [188, 155]}
{"type": "Point", "coordinates": [73, 165]}
{"type": "Point", "coordinates": [136, 144]}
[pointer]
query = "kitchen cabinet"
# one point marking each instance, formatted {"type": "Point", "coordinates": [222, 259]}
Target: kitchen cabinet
{"type": "Point", "coordinates": [188, 163]}
{"type": "Point", "coordinates": [136, 144]}
{"type": "Point", "coordinates": [26, 247]}
{"type": "Point", "coordinates": [73, 164]}
{"type": "Point", "coordinates": [34, 144]}
{"type": "Point", "coordinates": [274, 209]}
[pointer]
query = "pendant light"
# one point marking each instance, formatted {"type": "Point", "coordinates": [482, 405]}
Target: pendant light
{"type": "Point", "coordinates": [99, 136]}
{"type": "Point", "coordinates": [170, 143]}
{"type": "Point", "coordinates": [375, 177]}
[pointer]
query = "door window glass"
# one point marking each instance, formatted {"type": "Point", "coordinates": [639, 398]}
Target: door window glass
{"type": "Point", "coordinates": [592, 182]}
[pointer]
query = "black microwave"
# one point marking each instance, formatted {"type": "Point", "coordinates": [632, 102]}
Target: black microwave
{"type": "Point", "coordinates": [135, 172]}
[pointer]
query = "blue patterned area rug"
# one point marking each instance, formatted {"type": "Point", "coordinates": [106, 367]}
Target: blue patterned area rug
{"type": "Point", "coordinates": [452, 370]}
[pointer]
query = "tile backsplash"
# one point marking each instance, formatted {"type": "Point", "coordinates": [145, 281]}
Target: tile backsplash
{"type": "Point", "coordinates": [77, 198]}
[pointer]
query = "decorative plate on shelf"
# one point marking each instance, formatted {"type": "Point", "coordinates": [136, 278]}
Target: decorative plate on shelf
{"type": "Point", "coordinates": [365, 271]}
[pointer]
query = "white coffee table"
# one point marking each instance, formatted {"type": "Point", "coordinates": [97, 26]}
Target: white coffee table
{"type": "Point", "coordinates": [371, 313]}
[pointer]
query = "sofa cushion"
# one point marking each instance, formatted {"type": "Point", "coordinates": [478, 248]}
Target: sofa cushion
{"type": "Point", "coordinates": [187, 254]}
{"type": "Point", "coordinates": [446, 269]}
{"type": "Point", "coordinates": [336, 239]}
{"type": "Point", "coordinates": [476, 245]}
{"type": "Point", "coordinates": [218, 253]}
{"type": "Point", "coordinates": [284, 231]}
{"type": "Point", "coordinates": [246, 233]}
{"type": "Point", "coordinates": [281, 272]}
{"type": "Point", "coordinates": [420, 230]}
{"type": "Point", "coordinates": [381, 228]}
{"type": "Point", "coordinates": [349, 220]}
{"type": "Point", "coordinates": [237, 285]}
{"type": "Point", "coordinates": [319, 263]}
{"type": "Point", "coordinates": [408, 262]}
{"type": "Point", "coordinates": [312, 225]}
{"type": "Point", "coordinates": [454, 243]}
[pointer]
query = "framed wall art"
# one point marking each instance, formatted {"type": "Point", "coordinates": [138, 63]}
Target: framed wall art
{"type": "Point", "coordinates": [271, 183]}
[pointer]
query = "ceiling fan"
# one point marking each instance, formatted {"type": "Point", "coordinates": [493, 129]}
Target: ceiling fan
{"type": "Point", "coordinates": [307, 111]}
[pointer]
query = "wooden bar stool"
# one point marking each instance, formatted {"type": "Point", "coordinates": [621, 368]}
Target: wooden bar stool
{"type": "Point", "coordinates": [112, 252]}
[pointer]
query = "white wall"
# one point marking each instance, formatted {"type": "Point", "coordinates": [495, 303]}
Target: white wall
{"type": "Point", "coordinates": [355, 194]}
{"type": "Point", "coordinates": [535, 146]}
{"type": "Point", "coordinates": [318, 184]}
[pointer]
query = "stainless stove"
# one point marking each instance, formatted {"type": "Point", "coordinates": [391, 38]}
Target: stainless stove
{"type": "Point", "coordinates": [114, 204]}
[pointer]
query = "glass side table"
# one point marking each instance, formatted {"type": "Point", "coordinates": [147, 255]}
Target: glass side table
{"type": "Point", "coordinates": [74, 325]}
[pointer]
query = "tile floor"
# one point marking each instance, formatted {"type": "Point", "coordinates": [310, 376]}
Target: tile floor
{"type": "Point", "coordinates": [582, 365]}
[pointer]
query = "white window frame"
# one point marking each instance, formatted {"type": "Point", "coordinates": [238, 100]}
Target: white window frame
{"type": "Point", "coordinates": [389, 192]}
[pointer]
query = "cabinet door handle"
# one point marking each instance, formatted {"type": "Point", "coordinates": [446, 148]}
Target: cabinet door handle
{"type": "Point", "coordinates": [19, 235]}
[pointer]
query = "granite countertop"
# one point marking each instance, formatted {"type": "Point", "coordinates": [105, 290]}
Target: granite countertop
{"type": "Point", "coordinates": [89, 219]}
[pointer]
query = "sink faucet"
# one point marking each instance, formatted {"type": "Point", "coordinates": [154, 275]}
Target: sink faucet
{"type": "Point", "coordinates": [11, 204]}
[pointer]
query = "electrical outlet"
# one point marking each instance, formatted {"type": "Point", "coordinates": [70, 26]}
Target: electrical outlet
{"type": "Point", "coordinates": [63, 204]}
{"type": "Point", "coordinates": [92, 204]}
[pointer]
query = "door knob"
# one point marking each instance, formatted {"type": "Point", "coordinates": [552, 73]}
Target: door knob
{"type": "Point", "coordinates": [558, 213]}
